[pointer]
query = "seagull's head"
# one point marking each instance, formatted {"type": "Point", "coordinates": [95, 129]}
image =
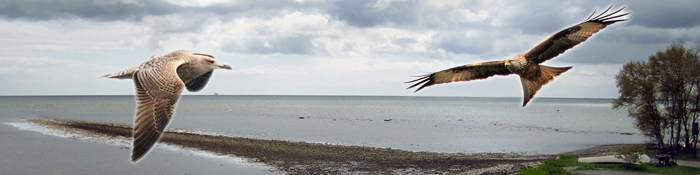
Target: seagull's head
{"type": "Point", "coordinates": [207, 61]}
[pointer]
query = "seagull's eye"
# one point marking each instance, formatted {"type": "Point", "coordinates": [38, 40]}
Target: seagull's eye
{"type": "Point", "coordinates": [210, 61]}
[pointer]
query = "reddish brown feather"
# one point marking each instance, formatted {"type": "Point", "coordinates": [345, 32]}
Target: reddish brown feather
{"type": "Point", "coordinates": [461, 73]}
{"type": "Point", "coordinates": [572, 36]}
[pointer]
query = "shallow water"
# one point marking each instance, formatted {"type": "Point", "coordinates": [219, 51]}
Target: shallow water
{"type": "Point", "coordinates": [438, 124]}
{"type": "Point", "coordinates": [25, 152]}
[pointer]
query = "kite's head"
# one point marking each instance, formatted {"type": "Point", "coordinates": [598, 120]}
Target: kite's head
{"type": "Point", "coordinates": [516, 63]}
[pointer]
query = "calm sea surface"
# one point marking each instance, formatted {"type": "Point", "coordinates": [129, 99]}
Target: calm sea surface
{"type": "Point", "coordinates": [439, 124]}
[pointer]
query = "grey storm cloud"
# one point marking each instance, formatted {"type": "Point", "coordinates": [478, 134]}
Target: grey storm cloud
{"type": "Point", "coordinates": [369, 13]}
{"type": "Point", "coordinates": [532, 18]}
{"type": "Point", "coordinates": [666, 14]}
{"type": "Point", "coordinates": [114, 10]}
{"type": "Point", "coordinates": [86, 9]}
{"type": "Point", "coordinates": [540, 17]}
{"type": "Point", "coordinates": [648, 24]}
{"type": "Point", "coordinates": [264, 9]}
{"type": "Point", "coordinates": [459, 43]}
{"type": "Point", "coordinates": [538, 20]}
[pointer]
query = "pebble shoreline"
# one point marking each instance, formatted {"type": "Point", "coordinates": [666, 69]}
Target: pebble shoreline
{"type": "Point", "coordinates": [314, 158]}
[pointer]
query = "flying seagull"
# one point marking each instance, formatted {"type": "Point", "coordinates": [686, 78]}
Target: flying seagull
{"type": "Point", "coordinates": [159, 82]}
{"type": "Point", "coordinates": [532, 75]}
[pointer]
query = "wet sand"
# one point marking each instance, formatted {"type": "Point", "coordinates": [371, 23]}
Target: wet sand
{"type": "Point", "coordinates": [294, 157]}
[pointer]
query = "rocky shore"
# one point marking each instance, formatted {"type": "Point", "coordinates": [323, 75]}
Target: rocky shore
{"type": "Point", "coordinates": [314, 158]}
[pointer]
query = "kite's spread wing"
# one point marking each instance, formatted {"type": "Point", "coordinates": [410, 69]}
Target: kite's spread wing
{"type": "Point", "coordinates": [462, 73]}
{"type": "Point", "coordinates": [568, 38]}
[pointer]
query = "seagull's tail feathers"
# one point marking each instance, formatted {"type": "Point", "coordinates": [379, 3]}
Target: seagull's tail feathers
{"type": "Point", "coordinates": [533, 84]}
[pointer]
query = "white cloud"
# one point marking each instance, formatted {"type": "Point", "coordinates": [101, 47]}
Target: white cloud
{"type": "Point", "coordinates": [176, 23]}
{"type": "Point", "coordinates": [592, 75]}
{"type": "Point", "coordinates": [439, 4]}
{"type": "Point", "coordinates": [326, 36]}
{"type": "Point", "coordinates": [51, 76]}
{"type": "Point", "coordinates": [112, 2]}
{"type": "Point", "coordinates": [261, 71]}
{"type": "Point", "coordinates": [465, 15]}
{"type": "Point", "coordinates": [359, 42]}
{"type": "Point", "coordinates": [321, 47]}
{"type": "Point", "coordinates": [364, 64]}
{"type": "Point", "coordinates": [76, 36]}
{"type": "Point", "coordinates": [196, 3]}
{"type": "Point", "coordinates": [14, 65]}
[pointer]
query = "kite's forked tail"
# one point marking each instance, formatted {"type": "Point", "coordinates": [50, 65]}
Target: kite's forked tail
{"type": "Point", "coordinates": [533, 84]}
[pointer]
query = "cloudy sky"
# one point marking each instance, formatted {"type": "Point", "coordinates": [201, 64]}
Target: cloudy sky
{"type": "Point", "coordinates": [324, 47]}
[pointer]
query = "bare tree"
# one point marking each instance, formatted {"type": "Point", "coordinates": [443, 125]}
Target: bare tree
{"type": "Point", "coordinates": [663, 95]}
{"type": "Point", "coordinates": [638, 89]}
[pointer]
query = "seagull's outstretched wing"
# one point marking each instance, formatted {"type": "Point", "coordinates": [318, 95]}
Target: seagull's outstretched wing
{"type": "Point", "coordinates": [572, 36]}
{"type": "Point", "coordinates": [462, 73]}
{"type": "Point", "coordinates": [158, 89]}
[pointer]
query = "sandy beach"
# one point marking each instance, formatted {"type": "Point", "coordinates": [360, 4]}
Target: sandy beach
{"type": "Point", "coordinates": [191, 153]}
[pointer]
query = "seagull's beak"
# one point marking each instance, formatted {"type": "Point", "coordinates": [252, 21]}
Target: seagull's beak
{"type": "Point", "coordinates": [223, 66]}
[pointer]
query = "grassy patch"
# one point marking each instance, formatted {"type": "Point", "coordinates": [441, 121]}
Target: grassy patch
{"type": "Point", "coordinates": [687, 156]}
{"type": "Point", "coordinates": [555, 166]}
{"type": "Point", "coordinates": [643, 168]}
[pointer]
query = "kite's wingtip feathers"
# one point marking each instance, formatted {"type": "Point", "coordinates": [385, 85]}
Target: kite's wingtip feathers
{"type": "Point", "coordinates": [603, 17]}
{"type": "Point", "coordinates": [424, 81]}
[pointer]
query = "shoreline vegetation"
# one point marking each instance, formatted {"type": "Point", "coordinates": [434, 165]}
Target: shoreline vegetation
{"type": "Point", "coordinates": [317, 158]}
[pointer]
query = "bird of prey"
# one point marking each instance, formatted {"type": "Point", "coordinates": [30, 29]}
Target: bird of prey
{"type": "Point", "coordinates": [532, 75]}
{"type": "Point", "coordinates": [159, 82]}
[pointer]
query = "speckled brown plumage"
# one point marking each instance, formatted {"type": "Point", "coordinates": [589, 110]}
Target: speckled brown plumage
{"type": "Point", "coordinates": [159, 82]}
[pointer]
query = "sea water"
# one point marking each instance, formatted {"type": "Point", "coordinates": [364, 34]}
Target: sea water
{"type": "Point", "coordinates": [436, 124]}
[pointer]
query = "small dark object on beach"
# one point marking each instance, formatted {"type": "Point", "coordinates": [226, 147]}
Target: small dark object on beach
{"type": "Point", "coordinates": [301, 117]}
{"type": "Point", "coordinates": [388, 120]}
